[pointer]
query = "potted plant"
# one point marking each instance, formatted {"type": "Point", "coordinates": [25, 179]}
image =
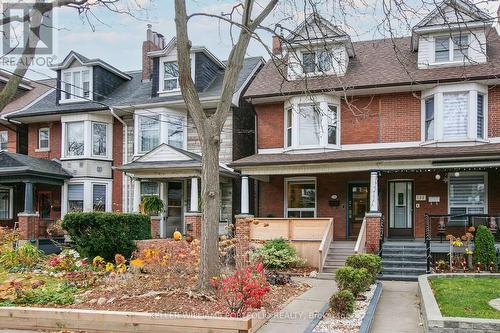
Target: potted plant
{"type": "Point", "coordinates": [152, 205]}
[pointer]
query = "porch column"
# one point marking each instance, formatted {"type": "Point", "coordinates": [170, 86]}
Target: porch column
{"type": "Point", "coordinates": [244, 196]}
{"type": "Point", "coordinates": [374, 192]}
{"type": "Point", "coordinates": [137, 195]}
{"type": "Point", "coordinates": [28, 198]}
{"type": "Point", "coordinates": [194, 195]}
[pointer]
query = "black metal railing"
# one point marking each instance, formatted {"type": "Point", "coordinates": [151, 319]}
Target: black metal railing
{"type": "Point", "coordinates": [427, 239]}
{"type": "Point", "coordinates": [382, 235]}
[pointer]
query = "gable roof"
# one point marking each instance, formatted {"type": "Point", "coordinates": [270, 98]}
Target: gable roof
{"type": "Point", "coordinates": [132, 93]}
{"type": "Point", "coordinates": [19, 164]}
{"type": "Point", "coordinates": [378, 64]}
{"type": "Point", "coordinates": [73, 55]}
{"type": "Point", "coordinates": [461, 11]}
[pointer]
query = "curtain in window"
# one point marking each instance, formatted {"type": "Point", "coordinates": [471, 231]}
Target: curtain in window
{"type": "Point", "coordinates": [74, 139]}
{"type": "Point", "coordinates": [480, 116]}
{"type": "Point", "coordinates": [467, 195]}
{"type": "Point", "coordinates": [149, 132]}
{"type": "Point", "coordinates": [429, 119]}
{"type": "Point", "coordinates": [75, 197]}
{"type": "Point", "coordinates": [455, 114]}
{"type": "Point", "coordinates": [176, 132]}
{"type": "Point", "coordinates": [99, 197]}
{"type": "Point", "coordinates": [4, 204]}
{"type": "Point", "coordinates": [325, 61]}
{"type": "Point", "coordinates": [86, 83]}
{"type": "Point", "coordinates": [309, 125]}
{"type": "Point", "coordinates": [43, 138]}
{"type": "Point", "coordinates": [99, 139]}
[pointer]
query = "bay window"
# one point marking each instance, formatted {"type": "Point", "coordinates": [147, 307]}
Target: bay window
{"type": "Point", "coordinates": [466, 195]}
{"type": "Point", "coordinates": [76, 84]}
{"type": "Point", "coordinates": [175, 132]}
{"type": "Point", "coordinates": [155, 128]}
{"type": "Point", "coordinates": [43, 138]}
{"type": "Point", "coordinates": [75, 141]}
{"type": "Point", "coordinates": [451, 48]}
{"type": "Point", "coordinates": [99, 197]}
{"type": "Point", "coordinates": [75, 197]}
{"type": "Point", "coordinates": [149, 132]}
{"type": "Point", "coordinates": [310, 125]}
{"type": "Point", "coordinates": [454, 113]}
{"type": "Point", "coordinates": [300, 198]}
{"type": "Point", "coordinates": [4, 139]}
{"type": "Point", "coordinates": [99, 139]}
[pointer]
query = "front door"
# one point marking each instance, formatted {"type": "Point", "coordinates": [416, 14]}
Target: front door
{"type": "Point", "coordinates": [44, 204]}
{"type": "Point", "coordinates": [357, 205]}
{"type": "Point", "coordinates": [401, 209]}
{"type": "Point", "coordinates": [174, 208]}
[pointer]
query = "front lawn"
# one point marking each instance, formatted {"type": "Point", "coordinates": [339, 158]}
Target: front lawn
{"type": "Point", "coordinates": [466, 297]}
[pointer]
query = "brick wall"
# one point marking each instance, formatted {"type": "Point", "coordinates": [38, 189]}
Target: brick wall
{"type": "Point", "coordinates": [270, 122]}
{"type": "Point", "coordinates": [11, 138]}
{"type": "Point", "coordinates": [118, 148]}
{"type": "Point", "coordinates": [360, 120]}
{"type": "Point", "coordinates": [494, 112]}
{"type": "Point", "coordinates": [55, 140]}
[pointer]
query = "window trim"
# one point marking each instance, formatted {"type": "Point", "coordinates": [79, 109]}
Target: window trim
{"type": "Point", "coordinates": [451, 49]}
{"type": "Point", "coordinates": [300, 180]}
{"type": "Point", "coordinates": [6, 142]}
{"type": "Point", "coordinates": [42, 149]}
{"type": "Point", "coordinates": [92, 123]}
{"type": "Point", "coordinates": [65, 144]}
{"type": "Point", "coordinates": [162, 77]}
{"type": "Point", "coordinates": [74, 90]}
{"type": "Point", "coordinates": [11, 202]}
{"type": "Point", "coordinates": [473, 89]}
{"type": "Point", "coordinates": [93, 185]}
{"type": "Point", "coordinates": [465, 174]}
{"type": "Point", "coordinates": [88, 201]}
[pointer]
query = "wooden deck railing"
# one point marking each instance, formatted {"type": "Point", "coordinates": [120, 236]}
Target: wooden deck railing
{"type": "Point", "coordinates": [325, 244]}
{"type": "Point", "coordinates": [361, 240]}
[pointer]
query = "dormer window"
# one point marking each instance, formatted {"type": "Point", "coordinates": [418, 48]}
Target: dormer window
{"type": "Point", "coordinates": [320, 61]}
{"type": "Point", "coordinates": [454, 48]}
{"type": "Point", "coordinates": [76, 84]}
{"type": "Point", "coordinates": [170, 76]}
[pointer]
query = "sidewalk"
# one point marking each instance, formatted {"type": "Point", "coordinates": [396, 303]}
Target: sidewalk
{"type": "Point", "coordinates": [398, 309]}
{"type": "Point", "coordinates": [296, 315]}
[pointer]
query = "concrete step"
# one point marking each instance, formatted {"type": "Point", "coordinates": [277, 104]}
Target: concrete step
{"type": "Point", "coordinates": [404, 256]}
{"type": "Point", "coordinates": [405, 270]}
{"type": "Point", "coordinates": [402, 264]}
{"type": "Point", "coordinates": [326, 276]}
{"type": "Point", "coordinates": [403, 251]}
{"type": "Point", "coordinates": [342, 244]}
{"type": "Point", "coordinates": [396, 277]}
{"type": "Point", "coordinates": [334, 262]}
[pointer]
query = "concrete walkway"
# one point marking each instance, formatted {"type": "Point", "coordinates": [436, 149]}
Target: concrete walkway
{"type": "Point", "coordinates": [398, 309]}
{"type": "Point", "coordinates": [296, 315]}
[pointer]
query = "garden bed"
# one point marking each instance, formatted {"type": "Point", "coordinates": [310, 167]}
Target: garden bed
{"type": "Point", "coordinates": [459, 307]}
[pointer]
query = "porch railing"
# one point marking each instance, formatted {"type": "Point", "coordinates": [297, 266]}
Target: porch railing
{"type": "Point", "coordinates": [361, 240]}
{"type": "Point", "coordinates": [438, 226]}
{"type": "Point", "coordinates": [326, 241]}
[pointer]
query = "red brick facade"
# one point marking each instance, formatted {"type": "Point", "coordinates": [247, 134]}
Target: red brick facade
{"type": "Point", "coordinates": [118, 148]}
{"type": "Point", "coordinates": [11, 137]}
{"type": "Point", "coordinates": [270, 125]}
{"type": "Point", "coordinates": [55, 140]}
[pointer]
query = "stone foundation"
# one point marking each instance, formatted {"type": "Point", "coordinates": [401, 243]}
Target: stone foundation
{"type": "Point", "coordinates": [193, 224]}
{"type": "Point", "coordinates": [155, 227]}
{"type": "Point", "coordinates": [28, 226]}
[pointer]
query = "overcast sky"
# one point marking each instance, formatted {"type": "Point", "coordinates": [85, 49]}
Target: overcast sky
{"type": "Point", "coordinates": [119, 38]}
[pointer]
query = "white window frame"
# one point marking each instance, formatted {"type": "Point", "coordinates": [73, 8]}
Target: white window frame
{"type": "Point", "coordinates": [323, 101]}
{"type": "Point", "coordinates": [88, 199]}
{"type": "Point", "coordinates": [301, 180]}
{"type": "Point", "coordinates": [40, 148]}
{"type": "Point", "coordinates": [76, 93]}
{"type": "Point", "coordinates": [65, 143]}
{"type": "Point", "coordinates": [451, 49]}
{"type": "Point", "coordinates": [473, 89]}
{"type": "Point", "coordinates": [465, 174]}
{"type": "Point", "coordinates": [88, 120]}
{"type": "Point", "coordinates": [165, 114]}
{"type": "Point", "coordinates": [11, 202]}
{"type": "Point", "coordinates": [163, 88]}
{"type": "Point", "coordinates": [106, 194]}
{"type": "Point", "coordinates": [6, 133]}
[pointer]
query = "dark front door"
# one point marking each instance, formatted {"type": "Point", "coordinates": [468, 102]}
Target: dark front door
{"type": "Point", "coordinates": [357, 205]}
{"type": "Point", "coordinates": [174, 208]}
{"type": "Point", "coordinates": [401, 209]}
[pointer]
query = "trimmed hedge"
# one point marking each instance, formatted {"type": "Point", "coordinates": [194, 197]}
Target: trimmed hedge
{"type": "Point", "coordinates": [372, 263]}
{"type": "Point", "coordinates": [356, 280]}
{"type": "Point", "coordinates": [484, 248]}
{"type": "Point", "coordinates": [342, 303]}
{"type": "Point", "coordinates": [106, 234]}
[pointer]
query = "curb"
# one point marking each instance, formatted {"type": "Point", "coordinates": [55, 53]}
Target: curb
{"type": "Point", "coordinates": [366, 321]}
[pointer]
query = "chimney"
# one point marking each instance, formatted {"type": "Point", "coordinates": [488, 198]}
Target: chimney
{"type": "Point", "coordinates": [277, 45]}
{"type": "Point", "coordinates": [154, 41]}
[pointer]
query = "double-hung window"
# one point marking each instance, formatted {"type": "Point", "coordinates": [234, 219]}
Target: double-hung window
{"type": "Point", "coordinates": [4, 139]}
{"type": "Point", "coordinates": [451, 48]}
{"type": "Point", "coordinates": [149, 132]}
{"type": "Point", "coordinates": [289, 115]}
{"type": "Point", "coordinates": [320, 61]}
{"type": "Point", "coordinates": [309, 62]}
{"type": "Point", "coordinates": [75, 138]}
{"type": "Point", "coordinates": [455, 115]}
{"type": "Point", "coordinates": [176, 132]}
{"type": "Point", "coordinates": [429, 119]}
{"type": "Point", "coordinates": [99, 134]}
{"type": "Point", "coordinates": [332, 120]}
{"type": "Point", "coordinates": [5, 203]}
{"type": "Point", "coordinates": [75, 197]}
{"type": "Point", "coordinates": [480, 116]}
{"type": "Point", "coordinates": [466, 195]}
{"type": "Point", "coordinates": [309, 125]}
{"type": "Point", "coordinates": [76, 84]}
{"type": "Point", "coordinates": [99, 197]}
{"type": "Point", "coordinates": [43, 138]}
{"type": "Point", "coordinates": [170, 76]}
{"type": "Point", "coordinates": [301, 198]}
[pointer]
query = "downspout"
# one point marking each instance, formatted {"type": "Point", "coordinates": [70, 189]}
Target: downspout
{"type": "Point", "coordinates": [125, 151]}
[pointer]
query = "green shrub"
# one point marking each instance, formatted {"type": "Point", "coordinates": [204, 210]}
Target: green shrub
{"type": "Point", "coordinates": [372, 263]}
{"type": "Point", "coordinates": [342, 303]}
{"type": "Point", "coordinates": [106, 234]}
{"type": "Point", "coordinates": [484, 247]}
{"type": "Point", "coordinates": [355, 280]}
{"type": "Point", "coordinates": [277, 254]}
